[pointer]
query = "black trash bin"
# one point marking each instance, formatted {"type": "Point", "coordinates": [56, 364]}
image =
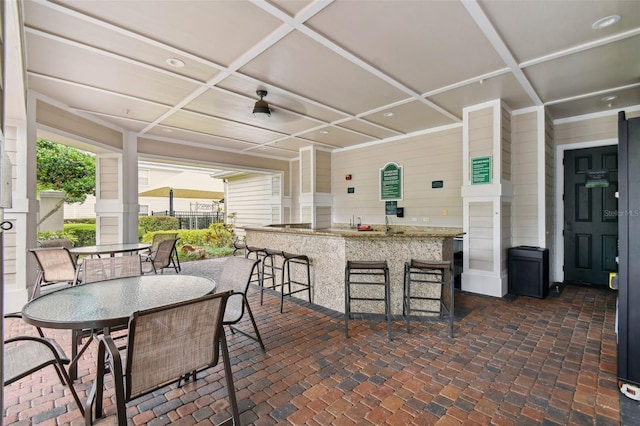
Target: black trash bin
{"type": "Point", "coordinates": [529, 271]}
{"type": "Point", "coordinates": [458, 243]}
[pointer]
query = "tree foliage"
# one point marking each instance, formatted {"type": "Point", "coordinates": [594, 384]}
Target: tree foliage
{"type": "Point", "coordinates": [63, 168]}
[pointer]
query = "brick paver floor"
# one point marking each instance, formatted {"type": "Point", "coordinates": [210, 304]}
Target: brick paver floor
{"type": "Point", "coordinates": [520, 361]}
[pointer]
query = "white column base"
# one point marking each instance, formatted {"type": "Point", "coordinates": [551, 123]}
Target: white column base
{"type": "Point", "coordinates": [488, 285]}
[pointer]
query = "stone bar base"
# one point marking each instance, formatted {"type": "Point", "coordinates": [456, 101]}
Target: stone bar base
{"type": "Point", "coordinates": [329, 250]}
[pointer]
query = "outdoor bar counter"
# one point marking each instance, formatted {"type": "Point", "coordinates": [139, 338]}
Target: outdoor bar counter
{"type": "Point", "coordinates": [329, 249]}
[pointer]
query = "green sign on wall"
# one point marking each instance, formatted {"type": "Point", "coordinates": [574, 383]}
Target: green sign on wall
{"type": "Point", "coordinates": [481, 170]}
{"type": "Point", "coordinates": [391, 182]}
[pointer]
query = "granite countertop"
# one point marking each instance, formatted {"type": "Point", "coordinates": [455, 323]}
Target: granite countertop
{"type": "Point", "coordinates": [376, 231]}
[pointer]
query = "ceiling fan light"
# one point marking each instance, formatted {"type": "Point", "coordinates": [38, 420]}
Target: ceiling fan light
{"type": "Point", "coordinates": [261, 108]}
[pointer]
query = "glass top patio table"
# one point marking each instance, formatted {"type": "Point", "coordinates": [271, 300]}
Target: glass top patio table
{"type": "Point", "coordinates": [107, 304]}
{"type": "Point", "coordinates": [110, 249]}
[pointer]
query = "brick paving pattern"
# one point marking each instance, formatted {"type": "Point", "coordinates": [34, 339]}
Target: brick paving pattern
{"type": "Point", "coordinates": [521, 361]}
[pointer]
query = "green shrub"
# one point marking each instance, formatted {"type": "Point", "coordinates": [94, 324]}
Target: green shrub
{"type": "Point", "coordinates": [158, 223]}
{"type": "Point", "coordinates": [84, 233]}
{"type": "Point", "coordinates": [81, 220]}
{"type": "Point", "coordinates": [224, 234]}
{"type": "Point", "coordinates": [216, 241]}
{"type": "Point", "coordinates": [50, 235]}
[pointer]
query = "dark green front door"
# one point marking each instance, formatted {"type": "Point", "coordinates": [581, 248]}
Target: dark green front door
{"type": "Point", "coordinates": [590, 214]}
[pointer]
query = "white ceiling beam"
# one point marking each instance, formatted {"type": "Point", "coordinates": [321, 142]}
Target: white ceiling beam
{"type": "Point", "coordinates": [500, 47]}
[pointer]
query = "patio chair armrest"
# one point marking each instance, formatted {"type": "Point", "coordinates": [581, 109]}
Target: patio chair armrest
{"type": "Point", "coordinates": [106, 345]}
{"type": "Point", "coordinates": [56, 351]}
{"type": "Point", "coordinates": [112, 350]}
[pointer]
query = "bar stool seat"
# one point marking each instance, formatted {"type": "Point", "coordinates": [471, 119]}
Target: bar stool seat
{"type": "Point", "coordinates": [362, 283]}
{"type": "Point", "coordinates": [271, 267]}
{"type": "Point", "coordinates": [258, 253]}
{"type": "Point", "coordinates": [424, 282]}
{"type": "Point", "coordinates": [239, 246]}
{"type": "Point", "coordinates": [299, 285]}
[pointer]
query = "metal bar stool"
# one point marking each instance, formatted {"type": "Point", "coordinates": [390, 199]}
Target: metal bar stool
{"type": "Point", "coordinates": [367, 277]}
{"type": "Point", "coordinates": [424, 282]}
{"type": "Point", "coordinates": [239, 247]}
{"type": "Point", "coordinates": [299, 286]}
{"type": "Point", "coordinates": [258, 253]}
{"type": "Point", "coordinates": [272, 264]}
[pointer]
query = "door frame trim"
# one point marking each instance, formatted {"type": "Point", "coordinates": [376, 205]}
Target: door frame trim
{"type": "Point", "coordinates": [558, 259]}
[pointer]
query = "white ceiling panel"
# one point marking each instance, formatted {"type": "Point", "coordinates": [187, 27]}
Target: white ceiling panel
{"type": "Point", "coordinates": [218, 127]}
{"type": "Point", "coordinates": [293, 65]}
{"type": "Point", "coordinates": [623, 99]}
{"type": "Point", "coordinates": [180, 136]}
{"type": "Point", "coordinates": [504, 87]}
{"type": "Point", "coordinates": [369, 129]}
{"type": "Point", "coordinates": [48, 18]}
{"type": "Point", "coordinates": [290, 145]}
{"type": "Point", "coordinates": [336, 137]}
{"type": "Point", "coordinates": [219, 31]}
{"type": "Point", "coordinates": [611, 65]}
{"type": "Point", "coordinates": [331, 69]}
{"type": "Point", "coordinates": [123, 123]}
{"type": "Point", "coordinates": [420, 54]}
{"type": "Point", "coordinates": [409, 117]}
{"type": "Point", "coordinates": [101, 102]}
{"type": "Point", "coordinates": [73, 64]}
{"type": "Point", "coordinates": [537, 28]}
{"type": "Point", "coordinates": [292, 8]}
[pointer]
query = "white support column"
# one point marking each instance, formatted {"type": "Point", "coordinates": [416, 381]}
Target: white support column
{"type": "Point", "coordinates": [486, 206]}
{"type": "Point", "coordinates": [117, 195]}
{"type": "Point", "coordinates": [315, 197]}
{"type": "Point", "coordinates": [131, 207]}
{"type": "Point", "coordinates": [19, 266]}
{"type": "Point", "coordinates": [109, 199]}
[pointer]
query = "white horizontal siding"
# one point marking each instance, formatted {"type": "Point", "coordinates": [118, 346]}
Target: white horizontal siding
{"type": "Point", "coordinates": [109, 173]}
{"type": "Point", "coordinates": [323, 171]}
{"type": "Point", "coordinates": [249, 197]}
{"type": "Point", "coordinates": [436, 156]}
{"type": "Point", "coordinates": [524, 208]}
{"type": "Point", "coordinates": [481, 236]}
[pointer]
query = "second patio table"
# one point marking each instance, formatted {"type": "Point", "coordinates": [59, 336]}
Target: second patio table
{"type": "Point", "coordinates": [110, 249]}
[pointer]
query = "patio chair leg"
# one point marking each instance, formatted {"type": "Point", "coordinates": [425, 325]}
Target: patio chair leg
{"type": "Point", "coordinates": [255, 337]}
{"type": "Point", "coordinates": [231, 390]}
{"type": "Point", "coordinates": [75, 354]}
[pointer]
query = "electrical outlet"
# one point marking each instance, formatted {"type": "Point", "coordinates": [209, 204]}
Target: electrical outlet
{"type": "Point", "coordinates": [414, 219]}
{"type": "Point", "coordinates": [425, 219]}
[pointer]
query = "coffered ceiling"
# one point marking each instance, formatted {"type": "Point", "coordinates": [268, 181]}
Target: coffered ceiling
{"type": "Point", "coordinates": [338, 73]}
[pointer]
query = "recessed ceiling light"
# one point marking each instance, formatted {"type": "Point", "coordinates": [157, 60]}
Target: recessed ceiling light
{"type": "Point", "coordinates": [324, 132]}
{"type": "Point", "coordinates": [175, 62]}
{"type": "Point", "coordinates": [609, 98]}
{"type": "Point", "coordinates": [607, 21]}
{"type": "Point", "coordinates": [389, 114]}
